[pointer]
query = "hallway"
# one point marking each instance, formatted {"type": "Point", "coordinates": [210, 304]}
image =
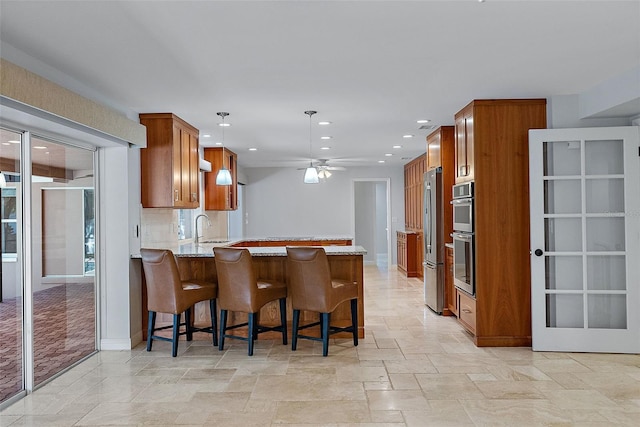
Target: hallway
{"type": "Point", "coordinates": [414, 368]}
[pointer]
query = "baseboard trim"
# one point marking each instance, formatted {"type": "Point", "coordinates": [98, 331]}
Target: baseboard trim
{"type": "Point", "coordinates": [120, 343]}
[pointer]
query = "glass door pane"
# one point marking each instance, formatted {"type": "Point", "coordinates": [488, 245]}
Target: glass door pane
{"type": "Point", "coordinates": [63, 242]}
{"type": "Point", "coordinates": [11, 289]}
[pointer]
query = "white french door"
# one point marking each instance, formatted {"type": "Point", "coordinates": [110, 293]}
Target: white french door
{"type": "Point", "coordinates": [585, 239]}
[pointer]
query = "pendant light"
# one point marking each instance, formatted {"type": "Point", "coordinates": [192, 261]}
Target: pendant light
{"type": "Point", "coordinates": [3, 182]}
{"type": "Point", "coordinates": [311, 173]}
{"type": "Point", "coordinates": [223, 177]}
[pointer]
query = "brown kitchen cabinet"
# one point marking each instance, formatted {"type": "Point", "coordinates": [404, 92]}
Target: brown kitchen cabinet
{"type": "Point", "coordinates": [220, 197]}
{"type": "Point", "coordinates": [413, 189]}
{"type": "Point", "coordinates": [407, 257]}
{"type": "Point", "coordinates": [450, 291]}
{"type": "Point", "coordinates": [464, 145]}
{"type": "Point", "coordinates": [499, 314]}
{"type": "Point", "coordinates": [413, 218]}
{"type": "Point", "coordinates": [169, 165]}
{"type": "Point", "coordinates": [467, 311]}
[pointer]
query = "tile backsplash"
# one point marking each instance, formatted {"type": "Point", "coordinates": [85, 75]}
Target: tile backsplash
{"type": "Point", "coordinates": [161, 226]}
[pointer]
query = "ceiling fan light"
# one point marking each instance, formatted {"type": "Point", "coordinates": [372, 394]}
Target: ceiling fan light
{"type": "Point", "coordinates": [324, 174]}
{"type": "Point", "coordinates": [311, 175]}
{"type": "Point", "coordinates": [223, 177]}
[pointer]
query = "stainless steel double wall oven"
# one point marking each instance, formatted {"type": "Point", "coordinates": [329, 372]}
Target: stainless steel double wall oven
{"type": "Point", "coordinates": [463, 237]}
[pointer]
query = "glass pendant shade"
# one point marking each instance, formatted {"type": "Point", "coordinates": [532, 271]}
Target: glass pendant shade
{"type": "Point", "coordinates": [223, 177]}
{"type": "Point", "coordinates": [311, 175]}
{"type": "Point", "coordinates": [3, 182]}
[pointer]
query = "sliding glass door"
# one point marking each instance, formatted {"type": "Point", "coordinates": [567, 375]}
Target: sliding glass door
{"type": "Point", "coordinates": [56, 299]}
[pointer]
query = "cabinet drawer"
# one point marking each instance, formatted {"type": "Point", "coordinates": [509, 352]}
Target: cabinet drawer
{"type": "Point", "coordinates": [467, 311]}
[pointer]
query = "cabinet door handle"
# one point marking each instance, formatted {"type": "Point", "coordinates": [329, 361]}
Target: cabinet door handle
{"type": "Point", "coordinates": [176, 193]}
{"type": "Point", "coordinates": [466, 310]}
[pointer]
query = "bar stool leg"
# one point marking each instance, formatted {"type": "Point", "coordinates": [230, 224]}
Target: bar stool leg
{"type": "Point", "coordinates": [294, 329]}
{"type": "Point", "coordinates": [251, 332]}
{"type": "Point", "coordinates": [354, 320]}
{"type": "Point", "coordinates": [223, 328]}
{"type": "Point", "coordinates": [283, 319]}
{"type": "Point", "coordinates": [187, 324]}
{"type": "Point", "coordinates": [325, 333]}
{"type": "Point", "coordinates": [176, 331]}
{"type": "Point", "coordinates": [214, 322]}
{"type": "Point", "coordinates": [150, 328]}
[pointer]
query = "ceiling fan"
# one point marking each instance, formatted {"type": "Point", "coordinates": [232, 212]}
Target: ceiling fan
{"type": "Point", "coordinates": [324, 169]}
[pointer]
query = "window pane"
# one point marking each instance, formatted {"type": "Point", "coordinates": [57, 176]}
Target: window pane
{"type": "Point", "coordinates": [561, 158]}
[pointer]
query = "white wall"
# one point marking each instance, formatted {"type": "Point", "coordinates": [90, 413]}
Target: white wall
{"type": "Point", "coordinates": [563, 111]}
{"type": "Point", "coordinates": [278, 203]}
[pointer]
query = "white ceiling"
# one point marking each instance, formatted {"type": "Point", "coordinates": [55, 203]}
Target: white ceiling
{"type": "Point", "coordinates": [372, 68]}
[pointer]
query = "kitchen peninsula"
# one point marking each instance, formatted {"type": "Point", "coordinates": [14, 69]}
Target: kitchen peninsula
{"type": "Point", "coordinates": [196, 261]}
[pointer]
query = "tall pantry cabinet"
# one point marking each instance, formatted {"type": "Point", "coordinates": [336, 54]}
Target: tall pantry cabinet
{"type": "Point", "coordinates": [410, 240]}
{"type": "Point", "coordinates": [492, 151]}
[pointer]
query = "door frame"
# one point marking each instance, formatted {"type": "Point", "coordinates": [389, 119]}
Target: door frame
{"type": "Point", "coordinates": [388, 219]}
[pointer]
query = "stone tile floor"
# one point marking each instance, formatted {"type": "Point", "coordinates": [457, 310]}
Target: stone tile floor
{"type": "Point", "coordinates": [414, 368]}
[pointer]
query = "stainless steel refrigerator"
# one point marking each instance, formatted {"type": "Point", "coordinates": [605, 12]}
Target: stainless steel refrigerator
{"type": "Point", "coordinates": [433, 240]}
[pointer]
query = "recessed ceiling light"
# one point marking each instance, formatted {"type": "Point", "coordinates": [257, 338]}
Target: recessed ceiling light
{"type": "Point", "coordinates": [388, 154]}
{"type": "Point", "coordinates": [253, 149]}
{"type": "Point", "coordinates": [407, 136]}
{"type": "Point", "coordinates": [380, 161]}
{"type": "Point", "coordinates": [13, 141]}
{"type": "Point", "coordinates": [397, 146]}
{"type": "Point", "coordinates": [422, 121]}
{"type": "Point", "coordinates": [324, 123]}
{"type": "Point", "coordinates": [226, 125]}
{"type": "Point", "coordinates": [325, 148]}
{"type": "Point", "coordinates": [206, 135]}
{"type": "Point", "coordinates": [326, 137]}
{"type": "Point", "coordinates": [39, 147]}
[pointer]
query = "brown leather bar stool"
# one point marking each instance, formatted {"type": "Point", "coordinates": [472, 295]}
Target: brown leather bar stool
{"type": "Point", "coordinates": [313, 289]}
{"type": "Point", "coordinates": [241, 291]}
{"type": "Point", "coordinates": [167, 293]}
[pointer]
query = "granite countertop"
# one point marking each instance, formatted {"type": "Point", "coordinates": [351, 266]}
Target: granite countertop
{"type": "Point", "coordinates": [205, 249]}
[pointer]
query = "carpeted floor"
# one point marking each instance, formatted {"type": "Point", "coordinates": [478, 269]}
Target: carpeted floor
{"type": "Point", "coordinates": [64, 332]}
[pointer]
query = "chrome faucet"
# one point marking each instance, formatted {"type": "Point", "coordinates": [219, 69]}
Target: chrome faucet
{"type": "Point", "coordinates": [197, 239]}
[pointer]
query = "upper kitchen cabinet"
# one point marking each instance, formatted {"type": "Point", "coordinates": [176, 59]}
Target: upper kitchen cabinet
{"type": "Point", "coordinates": [440, 148]}
{"type": "Point", "coordinates": [413, 187]}
{"type": "Point", "coordinates": [464, 144]}
{"type": "Point", "coordinates": [169, 163]}
{"type": "Point", "coordinates": [220, 197]}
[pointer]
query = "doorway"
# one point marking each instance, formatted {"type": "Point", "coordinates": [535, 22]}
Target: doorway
{"type": "Point", "coordinates": [236, 219]}
{"type": "Point", "coordinates": [372, 221]}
